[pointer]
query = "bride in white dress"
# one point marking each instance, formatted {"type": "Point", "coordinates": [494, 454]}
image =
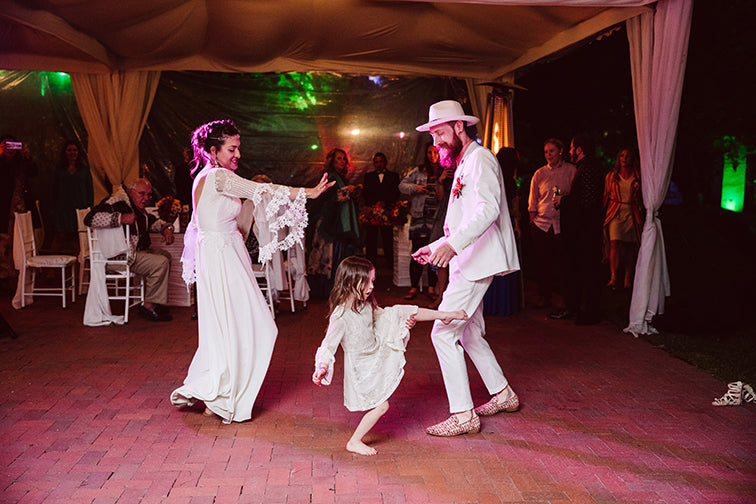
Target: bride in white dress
{"type": "Point", "coordinates": [236, 329]}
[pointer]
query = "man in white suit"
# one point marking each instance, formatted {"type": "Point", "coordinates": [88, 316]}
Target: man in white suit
{"type": "Point", "coordinates": [478, 244]}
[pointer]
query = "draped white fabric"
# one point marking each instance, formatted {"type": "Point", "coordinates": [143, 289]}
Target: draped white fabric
{"type": "Point", "coordinates": [112, 241]}
{"type": "Point", "coordinates": [114, 108]}
{"type": "Point", "coordinates": [22, 227]}
{"type": "Point", "coordinates": [658, 50]}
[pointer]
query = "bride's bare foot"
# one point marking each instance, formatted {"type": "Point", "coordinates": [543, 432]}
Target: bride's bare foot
{"type": "Point", "coordinates": [208, 412]}
{"type": "Point", "coordinates": [360, 448]}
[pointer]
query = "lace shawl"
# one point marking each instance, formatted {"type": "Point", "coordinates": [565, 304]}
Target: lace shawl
{"type": "Point", "coordinates": [274, 212]}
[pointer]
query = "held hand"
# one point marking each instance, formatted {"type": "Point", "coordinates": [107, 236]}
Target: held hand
{"type": "Point", "coordinates": [422, 254]}
{"type": "Point", "coordinates": [557, 199]}
{"type": "Point", "coordinates": [447, 317]}
{"type": "Point", "coordinates": [446, 174]}
{"type": "Point", "coordinates": [318, 375]}
{"type": "Point", "coordinates": [128, 218]}
{"type": "Point", "coordinates": [421, 189]}
{"type": "Point", "coordinates": [442, 255]}
{"type": "Point", "coordinates": [410, 322]}
{"type": "Point", "coordinates": [316, 191]}
{"type": "Point", "coordinates": [168, 235]}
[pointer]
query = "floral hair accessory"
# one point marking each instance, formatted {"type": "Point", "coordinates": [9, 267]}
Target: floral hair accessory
{"type": "Point", "coordinates": [457, 188]}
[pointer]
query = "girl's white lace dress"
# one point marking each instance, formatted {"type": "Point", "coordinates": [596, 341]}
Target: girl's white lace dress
{"type": "Point", "coordinates": [236, 329]}
{"type": "Point", "coordinates": [373, 343]}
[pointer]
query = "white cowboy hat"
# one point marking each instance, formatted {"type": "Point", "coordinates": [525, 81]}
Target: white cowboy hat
{"type": "Point", "coordinates": [445, 111]}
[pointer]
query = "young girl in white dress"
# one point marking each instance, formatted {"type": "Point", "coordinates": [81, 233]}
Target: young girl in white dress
{"type": "Point", "coordinates": [373, 340]}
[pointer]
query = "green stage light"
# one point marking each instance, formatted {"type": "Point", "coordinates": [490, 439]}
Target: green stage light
{"type": "Point", "coordinates": [55, 82]}
{"type": "Point", "coordinates": [733, 175]}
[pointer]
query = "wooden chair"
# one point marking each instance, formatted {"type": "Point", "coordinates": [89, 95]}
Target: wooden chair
{"type": "Point", "coordinates": [121, 283]}
{"type": "Point", "coordinates": [84, 270]}
{"type": "Point", "coordinates": [31, 262]}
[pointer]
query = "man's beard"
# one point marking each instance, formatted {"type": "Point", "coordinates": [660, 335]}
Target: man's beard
{"type": "Point", "coordinates": [448, 153]}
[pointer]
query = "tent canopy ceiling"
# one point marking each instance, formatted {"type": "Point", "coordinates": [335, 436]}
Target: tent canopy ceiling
{"type": "Point", "coordinates": [473, 39]}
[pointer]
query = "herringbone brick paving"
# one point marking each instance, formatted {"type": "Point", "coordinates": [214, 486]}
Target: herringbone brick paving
{"type": "Point", "coordinates": [85, 418]}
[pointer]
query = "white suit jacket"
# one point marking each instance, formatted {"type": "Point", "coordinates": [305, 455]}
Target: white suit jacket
{"type": "Point", "coordinates": [477, 223]}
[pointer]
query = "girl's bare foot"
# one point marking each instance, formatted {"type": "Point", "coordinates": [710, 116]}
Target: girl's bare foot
{"type": "Point", "coordinates": [208, 412]}
{"type": "Point", "coordinates": [360, 448]}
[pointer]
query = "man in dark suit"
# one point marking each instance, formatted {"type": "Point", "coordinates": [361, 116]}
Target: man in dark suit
{"type": "Point", "coordinates": [380, 186]}
{"type": "Point", "coordinates": [582, 218]}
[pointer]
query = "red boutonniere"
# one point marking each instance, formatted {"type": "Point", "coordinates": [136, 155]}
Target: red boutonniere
{"type": "Point", "coordinates": [457, 188]}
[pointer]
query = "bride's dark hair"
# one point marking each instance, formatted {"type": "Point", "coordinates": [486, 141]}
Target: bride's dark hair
{"type": "Point", "coordinates": [212, 134]}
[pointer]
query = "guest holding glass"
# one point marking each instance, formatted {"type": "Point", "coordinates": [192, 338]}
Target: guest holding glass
{"type": "Point", "coordinates": [623, 222]}
{"type": "Point", "coordinates": [554, 178]}
{"type": "Point", "coordinates": [420, 185]}
{"type": "Point", "coordinates": [72, 190]}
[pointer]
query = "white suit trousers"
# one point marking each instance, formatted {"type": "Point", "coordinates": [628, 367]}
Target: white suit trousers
{"type": "Point", "coordinates": [453, 340]}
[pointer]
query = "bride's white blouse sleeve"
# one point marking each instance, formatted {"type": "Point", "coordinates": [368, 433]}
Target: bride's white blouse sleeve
{"type": "Point", "coordinates": [275, 210]}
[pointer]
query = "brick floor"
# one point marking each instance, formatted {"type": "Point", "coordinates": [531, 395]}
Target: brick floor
{"type": "Point", "coordinates": [85, 418]}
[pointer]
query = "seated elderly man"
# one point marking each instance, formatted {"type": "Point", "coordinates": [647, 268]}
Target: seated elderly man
{"type": "Point", "coordinates": [153, 265]}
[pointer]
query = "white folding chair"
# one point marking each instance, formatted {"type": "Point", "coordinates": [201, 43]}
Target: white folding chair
{"type": "Point", "coordinates": [32, 261]}
{"type": "Point", "coordinates": [288, 292]}
{"type": "Point", "coordinates": [121, 283]}
{"type": "Point", "coordinates": [84, 270]}
{"type": "Point", "coordinates": [262, 274]}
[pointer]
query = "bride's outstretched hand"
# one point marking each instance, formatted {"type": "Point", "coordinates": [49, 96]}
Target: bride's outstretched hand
{"type": "Point", "coordinates": [316, 191]}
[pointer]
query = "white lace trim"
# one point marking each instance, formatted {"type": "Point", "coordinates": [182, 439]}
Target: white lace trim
{"type": "Point", "coordinates": [282, 213]}
{"type": "Point", "coordinates": [189, 255]}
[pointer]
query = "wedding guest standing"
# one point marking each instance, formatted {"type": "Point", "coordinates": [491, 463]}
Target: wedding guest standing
{"type": "Point", "coordinates": [623, 223]}
{"type": "Point", "coordinates": [555, 177]}
{"type": "Point", "coordinates": [72, 190]}
{"type": "Point", "coordinates": [381, 186]}
{"type": "Point", "coordinates": [582, 217]}
{"type": "Point", "coordinates": [337, 234]}
{"type": "Point", "coordinates": [420, 185]}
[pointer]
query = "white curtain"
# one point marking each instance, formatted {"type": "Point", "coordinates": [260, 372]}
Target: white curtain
{"type": "Point", "coordinates": [658, 51]}
{"type": "Point", "coordinates": [114, 108]}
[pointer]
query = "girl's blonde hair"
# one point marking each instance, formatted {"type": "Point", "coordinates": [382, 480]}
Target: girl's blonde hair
{"type": "Point", "coordinates": [351, 277]}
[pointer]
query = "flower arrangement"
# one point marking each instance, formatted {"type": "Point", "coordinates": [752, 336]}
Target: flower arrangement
{"type": "Point", "coordinates": [379, 215]}
{"type": "Point", "coordinates": [400, 213]}
{"type": "Point", "coordinates": [457, 187]}
{"type": "Point", "coordinates": [168, 208]}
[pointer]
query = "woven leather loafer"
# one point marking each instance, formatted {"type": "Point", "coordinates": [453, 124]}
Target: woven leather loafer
{"type": "Point", "coordinates": [452, 427]}
{"type": "Point", "coordinates": [494, 406]}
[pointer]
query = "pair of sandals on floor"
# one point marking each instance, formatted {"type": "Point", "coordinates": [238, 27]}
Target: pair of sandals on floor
{"type": "Point", "coordinates": [737, 393]}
